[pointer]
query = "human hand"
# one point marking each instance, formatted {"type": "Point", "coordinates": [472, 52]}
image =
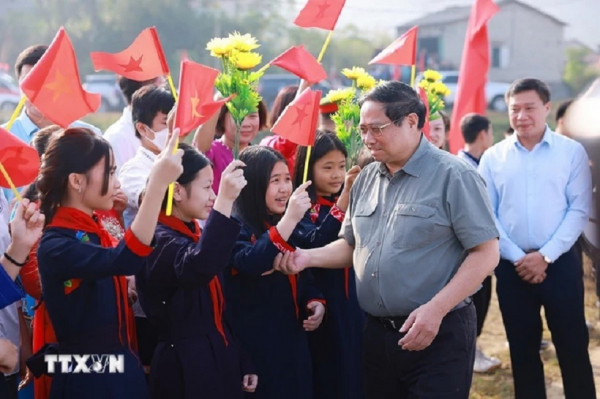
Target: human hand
{"type": "Point", "coordinates": [351, 176]}
{"type": "Point", "coordinates": [292, 262]}
{"type": "Point", "coordinates": [249, 383]}
{"type": "Point", "coordinates": [26, 229]}
{"type": "Point", "coordinates": [298, 204]}
{"type": "Point", "coordinates": [167, 166]}
{"type": "Point", "coordinates": [232, 181]}
{"type": "Point", "coordinates": [8, 356]}
{"type": "Point", "coordinates": [120, 202]}
{"type": "Point", "coordinates": [317, 312]}
{"type": "Point", "coordinates": [422, 327]}
{"type": "Point", "coordinates": [532, 268]}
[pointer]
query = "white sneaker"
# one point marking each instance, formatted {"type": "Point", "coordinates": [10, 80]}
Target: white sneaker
{"type": "Point", "coordinates": [484, 364]}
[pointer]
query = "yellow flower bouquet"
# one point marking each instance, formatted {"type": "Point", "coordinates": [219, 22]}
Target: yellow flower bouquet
{"type": "Point", "coordinates": [347, 117]}
{"type": "Point", "coordinates": [238, 60]}
{"type": "Point", "coordinates": [436, 91]}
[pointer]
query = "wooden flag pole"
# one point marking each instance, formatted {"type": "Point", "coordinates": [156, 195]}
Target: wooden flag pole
{"type": "Point", "coordinates": [309, 148]}
{"type": "Point", "coordinates": [10, 183]}
{"type": "Point", "coordinates": [169, 209]}
{"type": "Point", "coordinates": [413, 73]}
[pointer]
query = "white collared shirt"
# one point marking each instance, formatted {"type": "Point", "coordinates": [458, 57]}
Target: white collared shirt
{"type": "Point", "coordinates": [121, 136]}
{"type": "Point", "coordinates": [133, 177]}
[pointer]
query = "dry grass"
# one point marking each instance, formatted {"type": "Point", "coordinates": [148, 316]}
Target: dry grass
{"type": "Point", "coordinates": [499, 384]}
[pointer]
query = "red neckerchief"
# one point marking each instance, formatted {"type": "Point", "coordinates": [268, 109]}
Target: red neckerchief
{"type": "Point", "coordinates": [293, 279]}
{"type": "Point", "coordinates": [314, 215]}
{"type": "Point", "coordinates": [74, 219]}
{"type": "Point", "coordinates": [216, 293]}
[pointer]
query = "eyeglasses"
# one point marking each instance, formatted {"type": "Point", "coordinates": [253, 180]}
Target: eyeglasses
{"type": "Point", "coordinates": [376, 130]}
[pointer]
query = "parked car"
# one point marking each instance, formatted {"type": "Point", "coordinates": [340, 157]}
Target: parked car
{"type": "Point", "coordinates": [270, 85]}
{"type": "Point", "coordinates": [9, 93]}
{"type": "Point", "coordinates": [106, 85]}
{"type": "Point", "coordinates": [494, 91]}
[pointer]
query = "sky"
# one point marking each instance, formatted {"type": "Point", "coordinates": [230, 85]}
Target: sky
{"type": "Point", "coordinates": [582, 16]}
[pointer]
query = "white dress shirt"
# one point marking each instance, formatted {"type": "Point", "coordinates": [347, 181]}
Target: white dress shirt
{"type": "Point", "coordinates": [133, 177]}
{"type": "Point", "coordinates": [121, 136]}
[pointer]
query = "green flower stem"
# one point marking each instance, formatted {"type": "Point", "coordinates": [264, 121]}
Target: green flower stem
{"type": "Point", "coordinates": [236, 145]}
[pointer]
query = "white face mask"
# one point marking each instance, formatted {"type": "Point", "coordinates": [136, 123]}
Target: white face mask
{"type": "Point", "coordinates": [160, 138]}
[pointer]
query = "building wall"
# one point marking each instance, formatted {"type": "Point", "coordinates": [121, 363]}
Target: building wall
{"type": "Point", "coordinates": [529, 43]}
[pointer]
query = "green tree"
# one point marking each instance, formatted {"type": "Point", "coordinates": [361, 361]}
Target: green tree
{"type": "Point", "coordinates": [578, 73]}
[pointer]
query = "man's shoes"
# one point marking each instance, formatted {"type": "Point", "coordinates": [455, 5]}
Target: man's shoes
{"type": "Point", "coordinates": [484, 364]}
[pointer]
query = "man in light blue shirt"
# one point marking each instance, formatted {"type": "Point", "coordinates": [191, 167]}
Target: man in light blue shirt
{"type": "Point", "coordinates": [31, 119]}
{"type": "Point", "coordinates": [540, 188]}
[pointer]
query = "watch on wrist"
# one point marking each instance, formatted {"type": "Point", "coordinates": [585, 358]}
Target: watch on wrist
{"type": "Point", "coordinates": [547, 259]}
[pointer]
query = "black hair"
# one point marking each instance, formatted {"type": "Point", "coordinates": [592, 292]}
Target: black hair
{"type": "Point", "coordinates": [562, 109]}
{"type": "Point", "coordinates": [129, 87]}
{"type": "Point", "coordinates": [325, 142]}
{"type": "Point", "coordinates": [262, 118]}
{"type": "Point", "coordinates": [147, 102]}
{"type": "Point", "coordinates": [40, 142]}
{"type": "Point", "coordinates": [193, 162]}
{"type": "Point", "coordinates": [30, 56]}
{"type": "Point", "coordinates": [529, 84]}
{"type": "Point", "coordinates": [250, 206]}
{"type": "Point", "coordinates": [471, 125]}
{"type": "Point", "coordinates": [398, 99]}
{"type": "Point", "coordinates": [74, 150]}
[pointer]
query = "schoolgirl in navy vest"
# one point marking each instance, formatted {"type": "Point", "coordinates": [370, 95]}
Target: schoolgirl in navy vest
{"type": "Point", "coordinates": [336, 347]}
{"type": "Point", "coordinates": [268, 310]}
{"type": "Point", "coordinates": [83, 269]}
{"type": "Point", "coordinates": [180, 289]}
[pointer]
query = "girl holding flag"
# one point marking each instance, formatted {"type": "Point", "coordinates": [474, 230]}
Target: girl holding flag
{"type": "Point", "coordinates": [83, 269]}
{"type": "Point", "coordinates": [180, 288]}
{"type": "Point", "coordinates": [269, 311]}
{"type": "Point", "coordinates": [336, 346]}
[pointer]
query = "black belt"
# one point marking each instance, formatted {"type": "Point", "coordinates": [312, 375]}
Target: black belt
{"type": "Point", "coordinates": [396, 322]}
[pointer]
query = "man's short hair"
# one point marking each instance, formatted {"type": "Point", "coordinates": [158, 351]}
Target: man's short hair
{"type": "Point", "coordinates": [30, 56]}
{"type": "Point", "coordinates": [471, 125]}
{"type": "Point", "coordinates": [562, 109]}
{"type": "Point", "coordinates": [529, 84]}
{"type": "Point", "coordinates": [147, 102]}
{"type": "Point", "coordinates": [398, 99]}
{"type": "Point", "coordinates": [129, 86]}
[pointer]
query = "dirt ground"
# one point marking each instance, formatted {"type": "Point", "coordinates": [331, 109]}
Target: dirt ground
{"type": "Point", "coordinates": [498, 384]}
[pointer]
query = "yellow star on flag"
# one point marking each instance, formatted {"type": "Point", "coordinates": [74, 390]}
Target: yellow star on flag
{"type": "Point", "coordinates": [195, 102]}
{"type": "Point", "coordinates": [60, 85]}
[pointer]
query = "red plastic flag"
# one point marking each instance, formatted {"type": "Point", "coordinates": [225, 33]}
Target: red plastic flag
{"type": "Point", "coordinates": [403, 51]}
{"type": "Point", "coordinates": [53, 85]}
{"type": "Point", "coordinates": [143, 60]}
{"type": "Point", "coordinates": [475, 64]}
{"type": "Point", "coordinates": [425, 100]}
{"type": "Point", "coordinates": [298, 122]}
{"type": "Point", "coordinates": [21, 161]}
{"type": "Point", "coordinates": [322, 14]}
{"type": "Point", "coordinates": [301, 63]}
{"type": "Point", "coordinates": [196, 104]}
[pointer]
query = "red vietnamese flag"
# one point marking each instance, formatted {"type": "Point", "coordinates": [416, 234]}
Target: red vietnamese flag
{"type": "Point", "coordinates": [425, 100]}
{"type": "Point", "coordinates": [143, 60]}
{"type": "Point", "coordinates": [403, 51]}
{"type": "Point", "coordinates": [301, 63]}
{"type": "Point", "coordinates": [322, 14]}
{"type": "Point", "coordinates": [196, 104]}
{"type": "Point", "coordinates": [53, 85]}
{"type": "Point", "coordinates": [474, 66]}
{"type": "Point", "coordinates": [21, 161]}
{"type": "Point", "coordinates": [298, 122]}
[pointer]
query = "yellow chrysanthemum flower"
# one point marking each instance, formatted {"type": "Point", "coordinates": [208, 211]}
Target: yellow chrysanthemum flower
{"type": "Point", "coordinates": [432, 76]}
{"type": "Point", "coordinates": [243, 43]}
{"type": "Point", "coordinates": [366, 82]}
{"type": "Point", "coordinates": [339, 95]}
{"type": "Point", "coordinates": [440, 89]}
{"type": "Point", "coordinates": [354, 73]}
{"type": "Point", "coordinates": [246, 61]}
{"type": "Point", "coordinates": [424, 84]}
{"type": "Point", "coordinates": [219, 47]}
